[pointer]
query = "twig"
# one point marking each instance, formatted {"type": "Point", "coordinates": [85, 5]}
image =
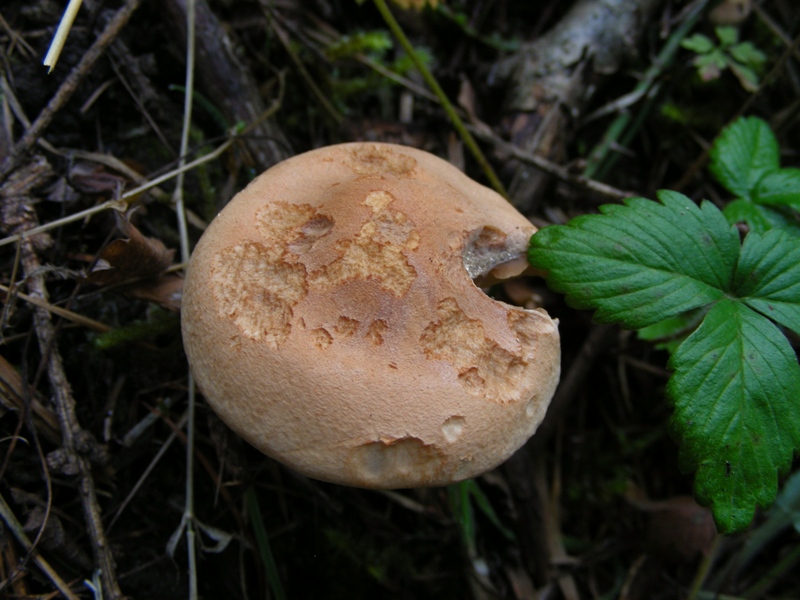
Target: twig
{"type": "Point", "coordinates": [121, 203]}
{"type": "Point", "coordinates": [143, 477]}
{"type": "Point", "coordinates": [57, 310]}
{"type": "Point", "coordinates": [646, 87]}
{"type": "Point", "coordinates": [330, 109]}
{"type": "Point", "coordinates": [452, 114]}
{"type": "Point", "coordinates": [15, 39]}
{"type": "Point", "coordinates": [16, 528]}
{"type": "Point", "coordinates": [549, 166]}
{"type": "Point", "coordinates": [68, 87]}
{"type": "Point", "coordinates": [227, 82]}
{"type": "Point", "coordinates": [18, 214]}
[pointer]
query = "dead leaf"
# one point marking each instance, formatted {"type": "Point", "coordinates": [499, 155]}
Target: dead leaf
{"type": "Point", "coordinates": [93, 178]}
{"type": "Point", "coordinates": [678, 528]}
{"type": "Point", "coordinates": [166, 290]}
{"type": "Point", "coordinates": [730, 12]}
{"type": "Point", "coordinates": [137, 257]}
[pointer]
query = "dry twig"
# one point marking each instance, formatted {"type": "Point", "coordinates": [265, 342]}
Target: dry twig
{"type": "Point", "coordinates": [18, 215]}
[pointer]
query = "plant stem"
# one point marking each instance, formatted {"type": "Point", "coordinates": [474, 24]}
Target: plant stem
{"type": "Point", "coordinates": [180, 209]}
{"type": "Point", "coordinates": [448, 107]}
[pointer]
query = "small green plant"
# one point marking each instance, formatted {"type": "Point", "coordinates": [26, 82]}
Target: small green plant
{"type": "Point", "coordinates": [681, 270]}
{"type": "Point", "coordinates": [742, 58]}
{"type": "Point", "coordinates": [745, 159]}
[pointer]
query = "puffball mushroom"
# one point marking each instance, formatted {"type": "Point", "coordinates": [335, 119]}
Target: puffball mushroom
{"type": "Point", "coordinates": [330, 318]}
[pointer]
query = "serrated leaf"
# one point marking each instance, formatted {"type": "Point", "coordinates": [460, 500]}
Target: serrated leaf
{"type": "Point", "coordinates": [743, 153]}
{"type": "Point", "coordinates": [640, 262]}
{"type": "Point", "coordinates": [768, 276]}
{"type": "Point", "coordinates": [747, 54]}
{"type": "Point", "coordinates": [744, 211]}
{"type": "Point", "coordinates": [747, 77]}
{"type": "Point", "coordinates": [670, 333]}
{"type": "Point", "coordinates": [698, 43]}
{"type": "Point", "coordinates": [736, 410]}
{"type": "Point", "coordinates": [779, 187]}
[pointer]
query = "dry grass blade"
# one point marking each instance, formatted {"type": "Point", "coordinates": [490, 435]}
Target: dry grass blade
{"type": "Point", "coordinates": [68, 88]}
{"type": "Point", "coordinates": [60, 38]}
{"type": "Point", "coordinates": [16, 529]}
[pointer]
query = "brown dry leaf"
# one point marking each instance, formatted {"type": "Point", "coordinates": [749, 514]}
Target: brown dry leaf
{"type": "Point", "coordinates": [139, 262]}
{"type": "Point", "coordinates": [730, 12]}
{"type": "Point", "coordinates": [166, 290]}
{"type": "Point", "coordinates": [678, 528]}
{"type": "Point", "coordinates": [137, 257]}
{"type": "Point", "coordinates": [92, 178]}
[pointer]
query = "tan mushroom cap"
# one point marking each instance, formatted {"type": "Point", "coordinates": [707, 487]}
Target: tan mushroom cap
{"type": "Point", "coordinates": [331, 319]}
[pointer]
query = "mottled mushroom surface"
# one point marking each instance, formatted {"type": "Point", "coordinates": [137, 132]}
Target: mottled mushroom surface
{"type": "Point", "coordinates": [330, 318]}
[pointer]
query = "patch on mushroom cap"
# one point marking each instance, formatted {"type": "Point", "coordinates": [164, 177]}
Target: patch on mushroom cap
{"type": "Point", "coordinates": [484, 368]}
{"type": "Point", "coordinates": [376, 253]}
{"type": "Point", "coordinates": [401, 459]}
{"type": "Point", "coordinates": [372, 160]}
{"type": "Point", "coordinates": [258, 290]}
{"type": "Point", "coordinates": [376, 330]}
{"type": "Point", "coordinates": [257, 284]}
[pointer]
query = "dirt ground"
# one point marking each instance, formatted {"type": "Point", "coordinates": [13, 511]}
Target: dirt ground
{"type": "Point", "coordinates": [572, 105]}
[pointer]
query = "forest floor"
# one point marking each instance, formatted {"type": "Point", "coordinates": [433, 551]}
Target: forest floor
{"type": "Point", "coordinates": [94, 386]}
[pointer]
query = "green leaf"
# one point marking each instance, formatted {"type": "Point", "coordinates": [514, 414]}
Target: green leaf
{"type": "Point", "coordinates": [736, 410]}
{"type": "Point", "coordinates": [670, 333]}
{"type": "Point", "coordinates": [743, 153]}
{"type": "Point", "coordinates": [768, 276]}
{"type": "Point", "coordinates": [640, 262]}
{"type": "Point", "coordinates": [747, 77]}
{"type": "Point", "coordinates": [727, 35]}
{"type": "Point", "coordinates": [698, 43]}
{"type": "Point", "coordinates": [747, 54]}
{"type": "Point", "coordinates": [709, 66]}
{"type": "Point", "coordinates": [744, 211]}
{"type": "Point", "coordinates": [779, 187]}
{"type": "Point", "coordinates": [377, 42]}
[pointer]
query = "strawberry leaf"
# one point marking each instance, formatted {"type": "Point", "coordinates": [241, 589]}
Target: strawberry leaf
{"type": "Point", "coordinates": [744, 211]}
{"type": "Point", "coordinates": [736, 377]}
{"type": "Point", "coordinates": [780, 187]}
{"type": "Point", "coordinates": [640, 262]}
{"type": "Point", "coordinates": [768, 276]}
{"type": "Point", "coordinates": [742, 154]}
{"type": "Point", "coordinates": [736, 411]}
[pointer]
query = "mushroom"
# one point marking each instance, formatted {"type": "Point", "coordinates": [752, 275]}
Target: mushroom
{"type": "Point", "coordinates": [331, 318]}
